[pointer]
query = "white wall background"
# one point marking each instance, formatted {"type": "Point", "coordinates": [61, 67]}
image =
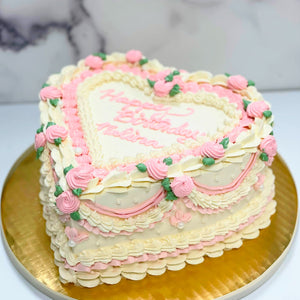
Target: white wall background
{"type": "Point", "coordinates": [257, 38]}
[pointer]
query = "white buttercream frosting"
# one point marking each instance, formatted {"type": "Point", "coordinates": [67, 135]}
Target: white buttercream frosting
{"type": "Point", "coordinates": [150, 232]}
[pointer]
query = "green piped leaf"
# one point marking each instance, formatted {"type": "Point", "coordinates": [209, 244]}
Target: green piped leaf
{"type": "Point", "coordinates": [225, 142]}
{"type": "Point", "coordinates": [143, 61]}
{"type": "Point", "coordinates": [208, 161]}
{"type": "Point", "coordinates": [141, 167]}
{"type": "Point", "coordinates": [77, 192]}
{"type": "Point", "coordinates": [246, 103]}
{"type": "Point", "coordinates": [227, 74]}
{"type": "Point", "coordinates": [75, 216]}
{"type": "Point", "coordinates": [67, 169]}
{"type": "Point", "coordinates": [272, 133]}
{"type": "Point", "coordinates": [267, 113]}
{"type": "Point", "coordinates": [45, 85]}
{"type": "Point", "coordinates": [175, 90]}
{"type": "Point", "coordinates": [39, 152]}
{"type": "Point", "coordinates": [57, 141]}
{"type": "Point", "coordinates": [50, 124]}
{"type": "Point", "coordinates": [54, 102]}
{"type": "Point", "coordinates": [171, 196]}
{"type": "Point", "coordinates": [264, 156]}
{"type": "Point", "coordinates": [166, 184]}
{"type": "Point", "coordinates": [58, 190]}
{"type": "Point", "coordinates": [176, 72]}
{"type": "Point", "coordinates": [151, 82]}
{"type": "Point", "coordinates": [251, 83]}
{"type": "Point", "coordinates": [169, 78]}
{"type": "Point", "coordinates": [40, 129]}
{"type": "Point", "coordinates": [100, 54]}
{"type": "Point", "coordinates": [272, 124]}
{"type": "Point", "coordinates": [168, 161]}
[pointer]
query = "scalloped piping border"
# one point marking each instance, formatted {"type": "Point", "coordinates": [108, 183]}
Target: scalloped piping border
{"type": "Point", "coordinates": [138, 271]}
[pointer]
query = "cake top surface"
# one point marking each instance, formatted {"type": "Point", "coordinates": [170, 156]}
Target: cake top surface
{"type": "Point", "coordinates": [121, 118]}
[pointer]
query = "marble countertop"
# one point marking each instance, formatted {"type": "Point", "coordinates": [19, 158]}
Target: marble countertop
{"type": "Point", "coordinates": [18, 123]}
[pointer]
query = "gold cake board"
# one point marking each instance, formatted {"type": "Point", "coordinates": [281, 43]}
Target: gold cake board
{"type": "Point", "coordinates": [233, 275]}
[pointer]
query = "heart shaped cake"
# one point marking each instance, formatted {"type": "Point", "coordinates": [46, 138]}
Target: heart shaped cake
{"type": "Point", "coordinates": [146, 168]}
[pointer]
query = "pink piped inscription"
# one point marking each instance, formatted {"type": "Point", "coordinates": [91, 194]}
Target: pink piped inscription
{"type": "Point", "coordinates": [148, 115]}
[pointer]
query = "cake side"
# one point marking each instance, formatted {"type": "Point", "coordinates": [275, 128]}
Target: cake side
{"type": "Point", "coordinates": [90, 274]}
{"type": "Point", "coordinates": [170, 193]}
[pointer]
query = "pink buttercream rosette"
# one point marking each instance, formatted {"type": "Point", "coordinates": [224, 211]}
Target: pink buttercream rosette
{"type": "Point", "coordinates": [50, 92]}
{"type": "Point", "coordinates": [212, 149]}
{"type": "Point", "coordinates": [94, 62]}
{"type": "Point", "coordinates": [162, 88]}
{"type": "Point", "coordinates": [161, 75]}
{"type": "Point", "coordinates": [67, 203]}
{"type": "Point", "coordinates": [134, 56]}
{"type": "Point", "coordinates": [54, 132]}
{"type": "Point", "coordinates": [182, 186]}
{"type": "Point", "coordinates": [256, 109]}
{"type": "Point", "coordinates": [237, 82]}
{"type": "Point", "coordinates": [269, 146]}
{"type": "Point", "coordinates": [157, 169]}
{"type": "Point", "coordinates": [79, 177]}
{"type": "Point", "coordinates": [40, 140]}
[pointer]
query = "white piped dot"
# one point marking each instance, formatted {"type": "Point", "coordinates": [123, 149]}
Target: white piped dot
{"type": "Point", "coordinates": [71, 243]}
{"type": "Point", "coordinates": [118, 201]}
{"type": "Point", "coordinates": [78, 151]}
{"type": "Point", "coordinates": [180, 225]}
{"type": "Point", "coordinates": [135, 200]}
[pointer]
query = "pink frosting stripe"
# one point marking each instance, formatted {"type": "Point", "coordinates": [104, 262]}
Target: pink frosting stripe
{"type": "Point", "coordinates": [214, 190]}
{"type": "Point", "coordinates": [164, 254]}
{"type": "Point", "coordinates": [128, 212]}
